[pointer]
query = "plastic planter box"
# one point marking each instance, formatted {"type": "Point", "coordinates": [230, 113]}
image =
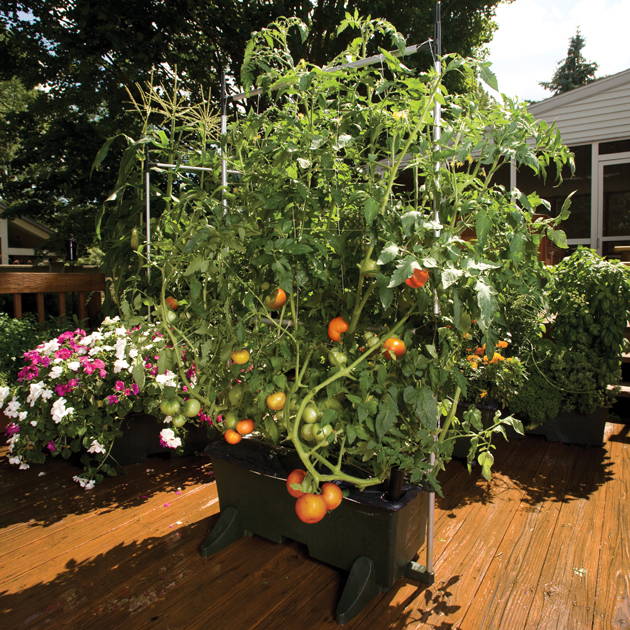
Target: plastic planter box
{"type": "Point", "coordinates": [374, 539]}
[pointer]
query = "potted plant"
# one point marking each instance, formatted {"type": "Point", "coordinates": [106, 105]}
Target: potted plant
{"type": "Point", "coordinates": [91, 396]}
{"type": "Point", "coordinates": [328, 306]}
{"type": "Point", "coordinates": [574, 364]}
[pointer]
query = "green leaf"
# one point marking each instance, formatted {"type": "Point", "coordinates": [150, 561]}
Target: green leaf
{"type": "Point", "coordinates": [485, 460]}
{"type": "Point", "coordinates": [487, 76]}
{"type": "Point", "coordinates": [370, 210]}
{"type": "Point", "coordinates": [483, 223]}
{"type": "Point", "coordinates": [403, 270]}
{"type": "Point", "coordinates": [388, 253]}
{"type": "Point", "coordinates": [487, 302]}
{"type": "Point", "coordinates": [558, 238]}
{"type": "Point", "coordinates": [138, 374]}
{"type": "Point", "coordinates": [450, 276]}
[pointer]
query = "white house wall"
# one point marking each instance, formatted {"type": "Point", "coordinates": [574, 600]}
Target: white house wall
{"type": "Point", "coordinates": [595, 113]}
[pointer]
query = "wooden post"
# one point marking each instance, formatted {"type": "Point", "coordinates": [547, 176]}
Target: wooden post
{"type": "Point", "coordinates": [82, 306]}
{"type": "Point", "coordinates": [41, 315]}
{"type": "Point", "coordinates": [17, 305]}
{"type": "Point", "coordinates": [62, 304]}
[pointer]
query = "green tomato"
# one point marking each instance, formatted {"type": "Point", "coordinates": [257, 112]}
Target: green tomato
{"type": "Point", "coordinates": [235, 395]}
{"type": "Point", "coordinates": [230, 420]}
{"type": "Point", "coordinates": [310, 414]}
{"type": "Point", "coordinates": [337, 358]}
{"type": "Point", "coordinates": [371, 339]}
{"type": "Point", "coordinates": [324, 434]}
{"type": "Point", "coordinates": [170, 407]}
{"type": "Point", "coordinates": [306, 432]}
{"type": "Point", "coordinates": [170, 317]}
{"type": "Point", "coordinates": [332, 403]}
{"type": "Point", "coordinates": [191, 408]}
{"type": "Point", "coordinates": [179, 420]}
{"type": "Point", "coordinates": [368, 268]}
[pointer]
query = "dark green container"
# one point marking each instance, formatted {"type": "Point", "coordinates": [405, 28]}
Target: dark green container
{"type": "Point", "coordinates": [576, 428]}
{"type": "Point", "coordinates": [374, 539]}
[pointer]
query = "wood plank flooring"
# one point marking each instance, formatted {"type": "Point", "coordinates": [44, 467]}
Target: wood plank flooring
{"type": "Point", "coordinates": [545, 544]}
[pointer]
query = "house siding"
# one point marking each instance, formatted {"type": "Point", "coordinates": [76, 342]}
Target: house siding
{"type": "Point", "coordinates": [597, 117]}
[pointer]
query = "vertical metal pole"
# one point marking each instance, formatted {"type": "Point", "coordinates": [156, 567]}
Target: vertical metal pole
{"type": "Point", "coordinates": [147, 212]}
{"type": "Point", "coordinates": [437, 131]}
{"type": "Point", "coordinates": [223, 136]}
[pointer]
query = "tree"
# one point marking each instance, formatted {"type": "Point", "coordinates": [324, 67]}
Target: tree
{"type": "Point", "coordinates": [80, 56]}
{"type": "Point", "coordinates": [574, 71]}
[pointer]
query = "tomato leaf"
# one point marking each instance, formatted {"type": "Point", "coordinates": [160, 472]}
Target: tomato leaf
{"type": "Point", "coordinates": [388, 253]}
{"type": "Point", "coordinates": [370, 210]}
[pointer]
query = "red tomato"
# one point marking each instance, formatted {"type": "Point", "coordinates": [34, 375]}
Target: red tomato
{"type": "Point", "coordinates": [310, 508]}
{"type": "Point", "coordinates": [232, 437]}
{"type": "Point", "coordinates": [336, 327]}
{"type": "Point", "coordinates": [394, 346]}
{"type": "Point", "coordinates": [244, 427]}
{"type": "Point", "coordinates": [418, 279]}
{"type": "Point", "coordinates": [295, 476]}
{"type": "Point", "coordinates": [276, 300]}
{"type": "Point", "coordinates": [332, 495]}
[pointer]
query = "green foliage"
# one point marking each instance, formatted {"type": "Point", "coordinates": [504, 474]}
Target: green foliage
{"type": "Point", "coordinates": [574, 71]}
{"type": "Point", "coordinates": [318, 209]}
{"type": "Point", "coordinates": [83, 54]}
{"type": "Point", "coordinates": [589, 298]}
{"type": "Point", "coordinates": [19, 335]}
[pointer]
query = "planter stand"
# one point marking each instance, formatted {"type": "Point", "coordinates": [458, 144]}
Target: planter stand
{"type": "Point", "coordinates": [371, 537]}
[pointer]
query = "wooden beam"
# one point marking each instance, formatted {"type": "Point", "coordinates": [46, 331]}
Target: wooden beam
{"type": "Point", "coordinates": [41, 314]}
{"type": "Point", "coordinates": [62, 304]}
{"type": "Point", "coordinates": [42, 282]}
{"type": "Point", "coordinates": [17, 305]}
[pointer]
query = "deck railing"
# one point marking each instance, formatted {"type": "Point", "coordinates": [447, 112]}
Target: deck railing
{"type": "Point", "coordinates": [18, 283]}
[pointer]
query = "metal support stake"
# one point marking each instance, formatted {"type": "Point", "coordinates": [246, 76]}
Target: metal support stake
{"type": "Point", "coordinates": [224, 179]}
{"type": "Point", "coordinates": [437, 118]}
{"type": "Point", "coordinates": [147, 212]}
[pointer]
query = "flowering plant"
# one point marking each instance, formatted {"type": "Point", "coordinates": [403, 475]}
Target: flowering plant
{"type": "Point", "coordinates": [498, 378]}
{"type": "Point", "coordinates": [76, 389]}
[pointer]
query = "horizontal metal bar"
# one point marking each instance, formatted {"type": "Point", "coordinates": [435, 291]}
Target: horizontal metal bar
{"type": "Point", "coordinates": [359, 63]}
{"type": "Point", "coordinates": [182, 167]}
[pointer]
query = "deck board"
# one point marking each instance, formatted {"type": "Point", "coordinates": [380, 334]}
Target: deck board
{"type": "Point", "coordinates": [544, 545]}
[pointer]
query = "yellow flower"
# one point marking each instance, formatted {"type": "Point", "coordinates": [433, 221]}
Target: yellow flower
{"type": "Point", "coordinates": [496, 357]}
{"type": "Point", "coordinates": [483, 393]}
{"type": "Point", "coordinates": [502, 344]}
{"type": "Point", "coordinates": [400, 115]}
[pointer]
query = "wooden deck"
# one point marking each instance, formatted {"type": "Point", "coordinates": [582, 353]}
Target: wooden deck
{"type": "Point", "coordinates": [545, 545]}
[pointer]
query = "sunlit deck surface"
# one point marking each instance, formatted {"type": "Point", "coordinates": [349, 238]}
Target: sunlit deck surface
{"type": "Point", "coordinates": [545, 545]}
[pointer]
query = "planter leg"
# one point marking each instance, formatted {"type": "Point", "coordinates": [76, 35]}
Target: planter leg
{"type": "Point", "coordinates": [227, 530]}
{"type": "Point", "coordinates": [359, 589]}
{"type": "Point", "coordinates": [419, 573]}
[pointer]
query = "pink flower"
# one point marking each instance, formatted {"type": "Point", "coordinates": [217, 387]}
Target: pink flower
{"type": "Point", "coordinates": [119, 386]}
{"type": "Point", "coordinates": [51, 446]}
{"type": "Point", "coordinates": [63, 353]}
{"type": "Point", "coordinates": [28, 373]}
{"type": "Point", "coordinates": [12, 428]}
{"type": "Point", "coordinates": [127, 391]}
{"type": "Point", "coordinates": [112, 400]}
{"type": "Point", "coordinates": [80, 332]}
{"type": "Point", "coordinates": [98, 364]}
{"type": "Point", "coordinates": [185, 388]}
{"type": "Point", "coordinates": [102, 373]}
{"type": "Point", "coordinates": [135, 390]}
{"type": "Point", "coordinates": [65, 336]}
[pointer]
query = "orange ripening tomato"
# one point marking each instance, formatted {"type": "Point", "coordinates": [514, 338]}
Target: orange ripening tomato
{"type": "Point", "coordinates": [310, 508]}
{"type": "Point", "coordinates": [240, 357]}
{"type": "Point", "coordinates": [336, 327]}
{"type": "Point", "coordinates": [276, 401]}
{"type": "Point", "coordinates": [171, 303]}
{"type": "Point", "coordinates": [394, 346]}
{"type": "Point", "coordinates": [245, 427]}
{"type": "Point", "coordinates": [502, 344]}
{"type": "Point", "coordinates": [332, 495]}
{"type": "Point", "coordinates": [295, 476]}
{"type": "Point", "coordinates": [418, 279]}
{"type": "Point", "coordinates": [276, 300]}
{"type": "Point", "coordinates": [232, 437]}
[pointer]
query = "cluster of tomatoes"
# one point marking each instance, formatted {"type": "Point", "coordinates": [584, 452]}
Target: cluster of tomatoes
{"type": "Point", "coordinates": [311, 507]}
{"type": "Point", "coordinates": [393, 347]}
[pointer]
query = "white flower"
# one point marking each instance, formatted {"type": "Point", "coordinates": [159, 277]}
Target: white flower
{"type": "Point", "coordinates": [4, 392]}
{"type": "Point", "coordinates": [12, 440]}
{"type": "Point", "coordinates": [110, 320]}
{"type": "Point", "coordinates": [59, 410]}
{"type": "Point", "coordinates": [33, 423]}
{"type": "Point", "coordinates": [120, 332]}
{"type": "Point", "coordinates": [120, 346]}
{"type": "Point", "coordinates": [168, 437]}
{"type": "Point", "coordinates": [22, 415]}
{"type": "Point", "coordinates": [49, 347]}
{"type": "Point", "coordinates": [119, 365]}
{"type": "Point", "coordinates": [87, 484]}
{"type": "Point", "coordinates": [90, 339]}
{"type": "Point", "coordinates": [35, 391]}
{"type": "Point", "coordinates": [74, 365]}
{"type": "Point", "coordinates": [55, 372]}
{"type": "Point", "coordinates": [11, 410]}
{"type": "Point", "coordinates": [168, 378]}
{"type": "Point", "coordinates": [96, 447]}
{"type": "Point", "coordinates": [133, 353]}
{"type": "Point", "coordinates": [24, 466]}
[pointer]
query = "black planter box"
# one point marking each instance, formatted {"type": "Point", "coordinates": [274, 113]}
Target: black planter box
{"type": "Point", "coordinates": [372, 538]}
{"type": "Point", "coordinates": [141, 439]}
{"type": "Point", "coordinates": [575, 428]}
